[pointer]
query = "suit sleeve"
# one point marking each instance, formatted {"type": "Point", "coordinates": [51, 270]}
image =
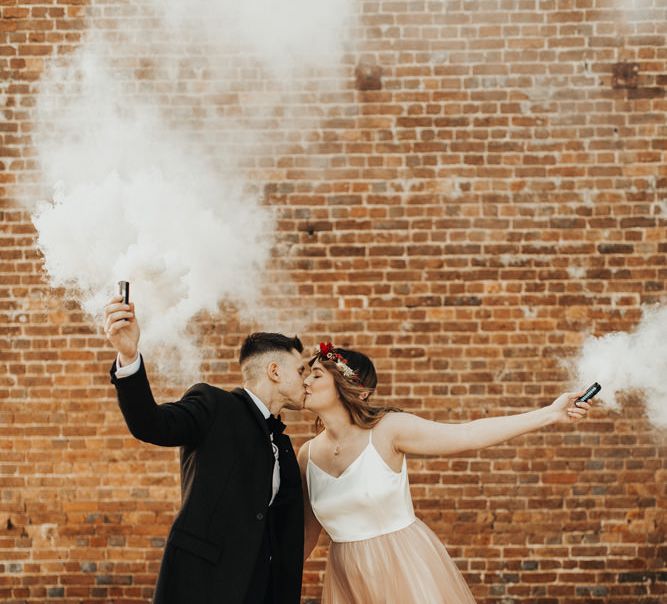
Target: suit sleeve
{"type": "Point", "coordinates": [182, 423]}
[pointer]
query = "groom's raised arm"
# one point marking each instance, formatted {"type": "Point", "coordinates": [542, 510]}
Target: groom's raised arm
{"type": "Point", "coordinates": [171, 424]}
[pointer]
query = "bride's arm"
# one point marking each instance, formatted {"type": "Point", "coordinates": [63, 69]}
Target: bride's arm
{"type": "Point", "coordinates": [413, 435]}
{"type": "Point", "coordinates": [312, 527]}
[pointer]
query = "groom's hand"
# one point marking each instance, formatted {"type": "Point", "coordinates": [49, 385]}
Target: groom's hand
{"type": "Point", "coordinates": [121, 329]}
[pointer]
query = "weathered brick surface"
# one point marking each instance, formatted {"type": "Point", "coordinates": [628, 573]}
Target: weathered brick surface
{"type": "Point", "coordinates": [488, 185]}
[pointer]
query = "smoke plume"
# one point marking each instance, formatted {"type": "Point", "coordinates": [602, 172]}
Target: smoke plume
{"type": "Point", "coordinates": [630, 362]}
{"type": "Point", "coordinates": [148, 148]}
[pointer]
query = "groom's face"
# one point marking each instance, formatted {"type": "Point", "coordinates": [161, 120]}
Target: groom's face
{"type": "Point", "coordinates": [292, 369]}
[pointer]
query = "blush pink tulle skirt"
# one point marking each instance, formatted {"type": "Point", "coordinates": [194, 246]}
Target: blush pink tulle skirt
{"type": "Point", "coordinates": [409, 566]}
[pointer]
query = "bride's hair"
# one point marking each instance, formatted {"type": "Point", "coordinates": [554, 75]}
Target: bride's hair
{"type": "Point", "coordinates": [355, 393]}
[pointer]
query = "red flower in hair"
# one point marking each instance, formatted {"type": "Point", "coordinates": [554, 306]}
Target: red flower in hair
{"type": "Point", "coordinates": [325, 349]}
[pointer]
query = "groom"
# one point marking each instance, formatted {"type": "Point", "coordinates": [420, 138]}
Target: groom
{"type": "Point", "coordinates": [238, 537]}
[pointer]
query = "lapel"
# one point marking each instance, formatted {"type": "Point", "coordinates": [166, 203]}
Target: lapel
{"type": "Point", "coordinates": [290, 476]}
{"type": "Point", "coordinates": [259, 418]}
{"type": "Point", "coordinates": [255, 412]}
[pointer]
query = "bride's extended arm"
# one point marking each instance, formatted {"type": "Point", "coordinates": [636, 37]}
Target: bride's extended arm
{"type": "Point", "coordinates": [417, 436]}
{"type": "Point", "coordinates": [312, 527]}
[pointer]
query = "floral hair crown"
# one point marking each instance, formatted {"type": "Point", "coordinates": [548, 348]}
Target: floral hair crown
{"type": "Point", "coordinates": [327, 352]}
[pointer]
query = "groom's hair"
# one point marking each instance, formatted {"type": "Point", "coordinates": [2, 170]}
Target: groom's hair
{"type": "Point", "coordinates": [262, 342]}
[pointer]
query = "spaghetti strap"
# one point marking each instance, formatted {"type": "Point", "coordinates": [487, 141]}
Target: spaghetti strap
{"type": "Point", "coordinates": [309, 443]}
{"type": "Point", "coordinates": [370, 436]}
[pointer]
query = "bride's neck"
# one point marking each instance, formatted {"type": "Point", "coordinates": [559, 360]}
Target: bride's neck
{"type": "Point", "coordinates": [336, 422]}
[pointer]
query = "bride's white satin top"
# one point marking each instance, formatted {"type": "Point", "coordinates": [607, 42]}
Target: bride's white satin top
{"type": "Point", "coordinates": [367, 500]}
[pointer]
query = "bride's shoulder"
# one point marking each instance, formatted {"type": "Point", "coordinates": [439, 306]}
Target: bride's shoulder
{"type": "Point", "coordinates": [392, 419]}
{"type": "Point", "coordinates": [302, 455]}
{"type": "Point", "coordinates": [390, 423]}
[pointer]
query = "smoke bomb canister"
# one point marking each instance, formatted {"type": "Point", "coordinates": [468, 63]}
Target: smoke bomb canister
{"type": "Point", "coordinates": [124, 291]}
{"type": "Point", "coordinates": [590, 393]}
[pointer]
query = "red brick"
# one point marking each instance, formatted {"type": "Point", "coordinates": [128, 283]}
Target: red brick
{"type": "Point", "coordinates": [493, 200]}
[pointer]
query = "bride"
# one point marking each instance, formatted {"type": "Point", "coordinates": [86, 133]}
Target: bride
{"type": "Point", "coordinates": [355, 481]}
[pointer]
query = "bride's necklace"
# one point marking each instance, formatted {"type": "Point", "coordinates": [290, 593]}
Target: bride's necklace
{"type": "Point", "coordinates": [338, 447]}
{"type": "Point", "coordinates": [338, 444]}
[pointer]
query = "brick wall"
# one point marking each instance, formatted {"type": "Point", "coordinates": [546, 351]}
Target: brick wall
{"type": "Point", "coordinates": [487, 186]}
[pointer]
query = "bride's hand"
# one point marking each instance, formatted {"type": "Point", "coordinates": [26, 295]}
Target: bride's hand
{"type": "Point", "coordinates": [567, 410]}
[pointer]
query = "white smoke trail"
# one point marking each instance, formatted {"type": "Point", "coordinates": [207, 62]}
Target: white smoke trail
{"type": "Point", "coordinates": [285, 37]}
{"type": "Point", "coordinates": [627, 362]}
{"type": "Point", "coordinates": [146, 158]}
{"type": "Point", "coordinates": [132, 203]}
{"type": "Point", "coordinates": [642, 10]}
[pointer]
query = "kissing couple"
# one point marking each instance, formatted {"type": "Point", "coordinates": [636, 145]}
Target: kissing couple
{"type": "Point", "coordinates": [252, 511]}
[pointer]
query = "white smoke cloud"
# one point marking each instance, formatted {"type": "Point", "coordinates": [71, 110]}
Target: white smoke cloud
{"type": "Point", "coordinates": [642, 10]}
{"type": "Point", "coordinates": [284, 36]}
{"type": "Point", "coordinates": [638, 17]}
{"type": "Point", "coordinates": [135, 201]}
{"type": "Point", "coordinates": [145, 154]}
{"type": "Point", "coordinates": [630, 362]}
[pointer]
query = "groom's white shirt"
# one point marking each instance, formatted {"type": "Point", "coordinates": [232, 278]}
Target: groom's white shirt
{"type": "Point", "coordinates": [276, 466]}
{"type": "Point", "coordinates": [134, 366]}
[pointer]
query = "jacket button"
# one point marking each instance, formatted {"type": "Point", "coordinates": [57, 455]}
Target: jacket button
{"type": "Point", "coordinates": [260, 516]}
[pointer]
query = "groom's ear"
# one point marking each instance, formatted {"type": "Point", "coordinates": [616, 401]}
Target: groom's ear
{"type": "Point", "coordinates": [273, 371]}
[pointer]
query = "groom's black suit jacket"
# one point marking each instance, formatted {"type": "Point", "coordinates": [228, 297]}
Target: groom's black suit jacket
{"type": "Point", "coordinates": [225, 521]}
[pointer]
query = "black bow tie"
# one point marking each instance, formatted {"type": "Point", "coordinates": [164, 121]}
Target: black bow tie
{"type": "Point", "coordinates": [275, 425]}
